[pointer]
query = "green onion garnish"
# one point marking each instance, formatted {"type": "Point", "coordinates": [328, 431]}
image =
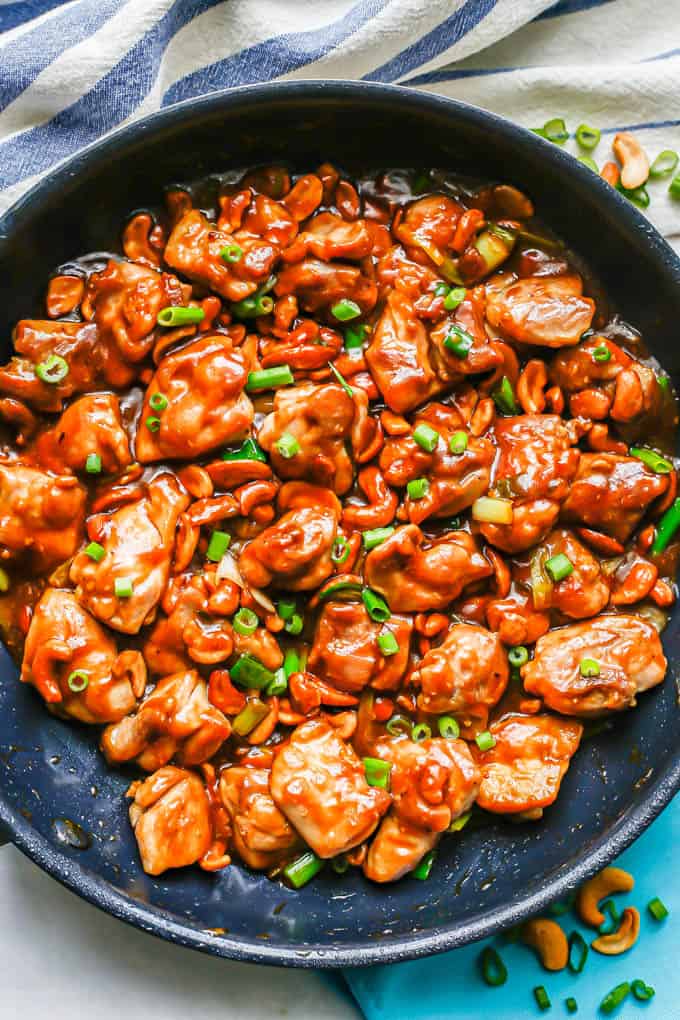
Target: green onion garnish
{"type": "Point", "coordinates": [291, 663]}
{"type": "Point", "coordinates": [459, 341]}
{"type": "Point", "coordinates": [448, 727]}
{"type": "Point", "coordinates": [458, 443]}
{"type": "Point", "coordinates": [494, 971]}
{"type": "Point", "coordinates": [554, 130]}
{"type": "Point", "coordinates": [455, 297]}
{"type": "Point", "coordinates": [422, 871]}
{"type": "Point", "coordinates": [388, 644]}
{"type": "Point", "coordinates": [153, 423]}
{"type": "Point", "coordinates": [279, 684]}
{"type": "Point", "coordinates": [300, 871]}
{"type": "Point", "coordinates": [426, 437]}
{"type": "Point", "coordinates": [485, 741]}
{"type": "Point", "coordinates": [345, 310]}
{"type": "Point", "coordinates": [559, 567]}
{"type": "Point", "coordinates": [398, 724]}
{"type": "Point", "coordinates": [294, 625]}
{"type": "Point", "coordinates": [601, 353]}
{"type": "Point", "coordinates": [285, 609]}
{"type": "Point", "coordinates": [245, 621]}
{"type": "Point", "coordinates": [254, 306]}
{"type": "Point", "coordinates": [95, 551]}
{"type": "Point", "coordinates": [460, 822]}
{"type": "Point", "coordinates": [418, 488]}
{"type": "Point", "coordinates": [441, 289]}
{"type": "Point", "coordinates": [651, 459]}
{"type": "Point", "coordinates": [578, 953]}
{"type": "Point", "coordinates": [657, 909]}
{"type": "Point", "coordinates": [542, 998]}
{"type": "Point", "coordinates": [421, 731]}
{"type": "Point", "coordinates": [249, 717]}
{"type": "Point", "coordinates": [638, 196]}
{"type": "Point", "coordinates": [269, 378]}
{"type": "Point", "coordinates": [123, 588]}
{"type": "Point", "coordinates": [249, 672]}
{"type": "Point", "coordinates": [52, 370]}
{"type": "Point", "coordinates": [589, 162]}
{"type": "Point", "coordinates": [504, 397]}
{"type": "Point", "coordinates": [664, 164]}
{"type": "Point", "coordinates": [341, 379]}
{"type": "Point", "coordinates": [377, 772]}
{"type": "Point", "coordinates": [178, 315]}
{"type": "Point", "coordinates": [674, 187]}
{"type": "Point", "coordinates": [93, 464]}
{"type": "Point", "coordinates": [355, 336]}
{"type": "Point", "coordinates": [607, 927]}
{"type": "Point", "coordinates": [340, 864]}
{"type": "Point", "coordinates": [78, 681]}
{"type": "Point", "coordinates": [518, 656]}
{"type": "Point", "coordinates": [217, 546]}
{"type": "Point", "coordinates": [589, 667]}
{"type": "Point", "coordinates": [588, 137]}
{"type": "Point", "coordinates": [158, 402]}
{"type": "Point", "coordinates": [287, 446]}
{"type": "Point", "coordinates": [231, 253]}
{"type": "Point", "coordinates": [666, 528]}
{"type": "Point", "coordinates": [376, 606]}
{"type": "Point", "coordinates": [642, 991]}
{"type": "Point", "coordinates": [376, 536]}
{"type": "Point", "coordinates": [615, 997]}
{"type": "Point", "coordinates": [248, 450]}
{"type": "Point", "coordinates": [571, 1004]}
{"type": "Point", "coordinates": [340, 550]}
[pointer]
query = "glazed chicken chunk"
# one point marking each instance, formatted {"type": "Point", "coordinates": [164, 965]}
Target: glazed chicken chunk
{"type": "Point", "coordinates": [589, 669]}
{"type": "Point", "coordinates": [90, 427]}
{"type": "Point", "coordinates": [546, 310]}
{"type": "Point", "coordinates": [170, 814]}
{"type": "Point", "coordinates": [583, 592]}
{"type": "Point", "coordinates": [41, 514]}
{"type": "Point", "coordinates": [399, 356]}
{"type": "Point", "coordinates": [262, 834]}
{"type": "Point", "coordinates": [318, 783]}
{"type": "Point", "coordinates": [35, 340]}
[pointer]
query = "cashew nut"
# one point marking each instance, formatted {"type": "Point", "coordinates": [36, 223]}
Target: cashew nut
{"type": "Point", "coordinates": [633, 160]}
{"type": "Point", "coordinates": [549, 941]}
{"type": "Point", "coordinates": [530, 386]}
{"type": "Point", "coordinates": [611, 880]}
{"type": "Point", "coordinates": [623, 938]}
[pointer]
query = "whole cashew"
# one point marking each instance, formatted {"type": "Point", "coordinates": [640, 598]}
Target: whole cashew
{"type": "Point", "coordinates": [633, 160]}
{"type": "Point", "coordinates": [380, 511]}
{"type": "Point", "coordinates": [530, 386]}
{"type": "Point", "coordinates": [611, 880]}
{"type": "Point", "coordinates": [549, 941]}
{"type": "Point", "coordinates": [623, 938]}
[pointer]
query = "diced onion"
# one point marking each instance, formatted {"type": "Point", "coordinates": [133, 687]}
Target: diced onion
{"type": "Point", "coordinates": [492, 510]}
{"type": "Point", "coordinates": [227, 570]}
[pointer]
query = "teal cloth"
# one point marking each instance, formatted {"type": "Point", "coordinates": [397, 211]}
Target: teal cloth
{"type": "Point", "coordinates": [449, 986]}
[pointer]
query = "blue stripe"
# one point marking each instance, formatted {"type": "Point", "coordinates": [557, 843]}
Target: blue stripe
{"type": "Point", "coordinates": [22, 60]}
{"type": "Point", "coordinates": [571, 7]}
{"type": "Point", "coordinates": [16, 14]}
{"type": "Point", "coordinates": [437, 41]}
{"type": "Point", "coordinates": [646, 126]}
{"type": "Point", "coordinates": [432, 77]}
{"type": "Point", "coordinates": [275, 56]}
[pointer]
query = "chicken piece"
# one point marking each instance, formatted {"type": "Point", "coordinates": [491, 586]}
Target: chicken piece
{"type": "Point", "coordinates": [207, 406]}
{"type": "Point", "coordinates": [522, 773]}
{"type": "Point", "coordinates": [549, 311]}
{"type": "Point", "coordinates": [175, 721]}
{"type": "Point", "coordinates": [584, 592]}
{"type": "Point", "coordinates": [319, 285]}
{"type": "Point", "coordinates": [536, 464]}
{"type": "Point", "coordinates": [327, 236]}
{"type": "Point", "coordinates": [295, 552]}
{"type": "Point", "coordinates": [611, 493]}
{"type": "Point", "coordinates": [515, 619]}
{"type": "Point", "coordinates": [270, 221]}
{"type": "Point", "coordinates": [323, 419]}
{"type": "Point", "coordinates": [262, 835]}
{"type": "Point", "coordinates": [77, 343]}
{"type": "Point", "coordinates": [432, 783]}
{"type": "Point", "coordinates": [429, 224]}
{"type": "Point", "coordinates": [416, 574]}
{"type": "Point", "coordinates": [455, 480]}
{"type": "Point", "coordinates": [395, 270]}
{"type": "Point", "coordinates": [89, 426]}
{"type": "Point", "coordinates": [139, 539]}
{"type": "Point", "coordinates": [346, 654]}
{"type": "Point", "coordinates": [623, 652]}
{"type": "Point", "coordinates": [481, 356]}
{"type": "Point", "coordinates": [170, 815]}
{"type": "Point", "coordinates": [63, 642]}
{"type": "Point", "coordinates": [194, 248]}
{"type": "Point", "coordinates": [41, 515]}
{"type": "Point", "coordinates": [399, 356]}
{"type": "Point", "coordinates": [318, 783]}
{"type": "Point", "coordinates": [466, 676]}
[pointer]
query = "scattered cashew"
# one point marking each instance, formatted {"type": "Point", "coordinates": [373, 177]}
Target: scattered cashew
{"type": "Point", "coordinates": [633, 160]}
{"type": "Point", "coordinates": [530, 386]}
{"type": "Point", "coordinates": [611, 880]}
{"type": "Point", "coordinates": [549, 941]}
{"type": "Point", "coordinates": [610, 173]}
{"type": "Point", "coordinates": [624, 938]}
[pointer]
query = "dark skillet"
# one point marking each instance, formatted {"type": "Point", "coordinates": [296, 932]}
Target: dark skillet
{"type": "Point", "coordinates": [51, 770]}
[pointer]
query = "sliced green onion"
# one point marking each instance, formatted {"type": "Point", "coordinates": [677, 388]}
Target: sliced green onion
{"type": "Point", "coordinates": [279, 684]}
{"type": "Point", "coordinates": [376, 536]}
{"type": "Point", "coordinates": [399, 724]}
{"type": "Point", "coordinates": [231, 253]}
{"type": "Point", "coordinates": [664, 164]}
{"type": "Point", "coordinates": [355, 336]}
{"type": "Point", "coordinates": [95, 551]}
{"type": "Point", "coordinates": [294, 625]}
{"type": "Point", "coordinates": [494, 971]}
{"type": "Point", "coordinates": [93, 464]}
{"type": "Point", "coordinates": [448, 727]}
{"type": "Point", "coordinates": [542, 998]}
{"type": "Point", "coordinates": [250, 717]}
{"type": "Point", "coordinates": [285, 609]}
{"type": "Point", "coordinates": [248, 450]}
{"type": "Point", "coordinates": [269, 378]}
{"type": "Point", "coordinates": [287, 446]}
{"type": "Point", "coordinates": [300, 871]}
{"type": "Point", "coordinates": [504, 397]}
{"type": "Point", "coordinates": [666, 528]}
{"type": "Point", "coordinates": [376, 606]}
{"type": "Point", "coordinates": [153, 423]}
{"type": "Point", "coordinates": [418, 488]}
{"type": "Point", "coordinates": [340, 864]}
{"type": "Point", "coordinates": [421, 731]}
{"type": "Point", "coordinates": [123, 588]}
{"type": "Point", "coordinates": [4, 580]}
{"type": "Point", "coordinates": [264, 305]}
{"type": "Point", "coordinates": [615, 997]}
{"type": "Point", "coordinates": [345, 310]}
{"type": "Point", "coordinates": [589, 667]}
{"type": "Point", "coordinates": [78, 680]}
{"type": "Point", "coordinates": [609, 908]}
{"type": "Point", "coordinates": [441, 289]}
{"type": "Point", "coordinates": [217, 546]}
{"type": "Point", "coordinates": [291, 663]}
{"type": "Point", "coordinates": [555, 130]}
{"type": "Point", "coordinates": [52, 370]}
{"type": "Point", "coordinates": [158, 401]}
{"type": "Point", "coordinates": [491, 510]}
{"type": "Point", "coordinates": [388, 644]}
{"type": "Point", "coordinates": [340, 550]}
{"type": "Point", "coordinates": [651, 459]}
{"type": "Point", "coordinates": [338, 587]}
{"type": "Point", "coordinates": [560, 907]}
{"type": "Point", "coordinates": [485, 741]}
{"type": "Point", "coordinates": [657, 909]}
{"type": "Point", "coordinates": [589, 162]}
{"type": "Point", "coordinates": [178, 315]}
{"type": "Point", "coordinates": [571, 1004]}
{"type": "Point", "coordinates": [460, 822]}
{"type": "Point", "coordinates": [245, 621]}
{"type": "Point", "coordinates": [664, 382]}
{"type": "Point", "coordinates": [421, 184]}
{"type": "Point", "coordinates": [251, 307]}
{"type": "Point", "coordinates": [458, 341]}
{"type": "Point", "coordinates": [642, 991]}
{"type": "Point", "coordinates": [638, 196]}
{"type": "Point", "coordinates": [377, 772]}
{"type": "Point", "coordinates": [249, 672]}
{"type": "Point", "coordinates": [426, 437]}
{"type": "Point", "coordinates": [422, 871]}
{"type": "Point", "coordinates": [518, 656]}
{"type": "Point", "coordinates": [458, 443]}
{"type": "Point", "coordinates": [674, 187]}
{"type": "Point", "coordinates": [578, 953]}
{"type": "Point", "coordinates": [601, 353]}
{"type": "Point", "coordinates": [559, 567]}
{"type": "Point", "coordinates": [455, 297]}
{"type": "Point", "coordinates": [341, 379]}
{"type": "Point", "coordinates": [588, 137]}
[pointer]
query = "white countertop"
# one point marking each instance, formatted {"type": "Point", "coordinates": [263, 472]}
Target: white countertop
{"type": "Point", "coordinates": [61, 958]}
